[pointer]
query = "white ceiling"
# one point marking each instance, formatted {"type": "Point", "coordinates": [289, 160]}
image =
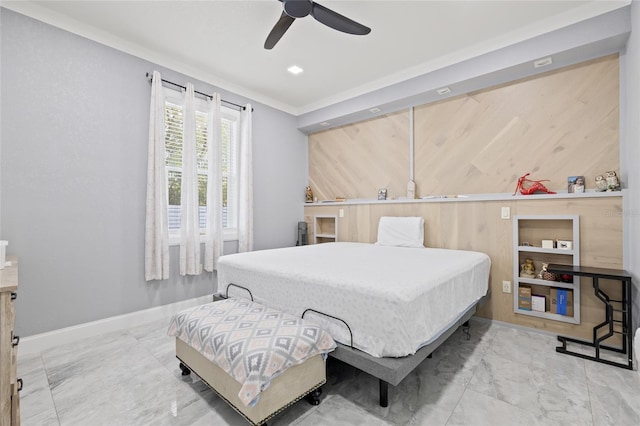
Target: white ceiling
{"type": "Point", "coordinates": [221, 42]}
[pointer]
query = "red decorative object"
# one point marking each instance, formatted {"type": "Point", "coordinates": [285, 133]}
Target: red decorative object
{"type": "Point", "coordinates": [566, 278]}
{"type": "Point", "coordinates": [528, 186]}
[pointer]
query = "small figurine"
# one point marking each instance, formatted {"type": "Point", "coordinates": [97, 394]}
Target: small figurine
{"type": "Point", "coordinates": [528, 187]}
{"type": "Point", "coordinates": [613, 184]}
{"type": "Point", "coordinates": [601, 183]}
{"type": "Point", "coordinates": [546, 275]}
{"type": "Point", "coordinates": [528, 270]}
{"type": "Point", "coordinates": [308, 194]}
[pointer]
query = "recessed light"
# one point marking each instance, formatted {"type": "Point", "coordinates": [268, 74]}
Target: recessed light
{"type": "Point", "coordinates": [325, 123]}
{"type": "Point", "coordinates": [295, 70]}
{"type": "Point", "coordinates": [543, 62]}
{"type": "Point", "coordinates": [374, 110]}
{"type": "Point", "coordinates": [443, 91]}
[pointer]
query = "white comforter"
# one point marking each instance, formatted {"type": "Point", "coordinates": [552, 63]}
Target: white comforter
{"type": "Point", "coordinates": [395, 299]}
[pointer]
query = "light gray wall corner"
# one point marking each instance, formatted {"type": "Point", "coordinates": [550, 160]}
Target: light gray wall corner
{"type": "Point", "coordinates": [280, 175]}
{"type": "Point", "coordinates": [592, 38]}
{"type": "Point", "coordinates": [74, 160]}
{"type": "Point", "coordinates": [630, 157]}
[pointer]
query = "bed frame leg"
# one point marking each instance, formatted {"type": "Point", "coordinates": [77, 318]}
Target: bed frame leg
{"type": "Point", "coordinates": [465, 330]}
{"type": "Point", "coordinates": [384, 393]}
{"type": "Point", "coordinates": [185, 369]}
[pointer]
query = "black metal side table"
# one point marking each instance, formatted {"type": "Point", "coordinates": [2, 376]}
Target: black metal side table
{"type": "Point", "coordinates": [620, 307]}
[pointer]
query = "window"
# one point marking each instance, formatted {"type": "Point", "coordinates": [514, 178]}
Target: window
{"type": "Point", "coordinates": [174, 119]}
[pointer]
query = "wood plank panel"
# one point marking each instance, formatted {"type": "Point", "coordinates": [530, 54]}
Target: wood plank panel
{"type": "Point", "coordinates": [476, 225]}
{"type": "Point", "coordinates": [555, 125]}
{"type": "Point", "coordinates": [354, 161]}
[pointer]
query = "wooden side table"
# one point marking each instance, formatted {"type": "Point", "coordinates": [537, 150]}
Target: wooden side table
{"type": "Point", "coordinates": [620, 308]}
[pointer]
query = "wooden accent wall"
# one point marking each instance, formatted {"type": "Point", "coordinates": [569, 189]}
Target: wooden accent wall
{"type": "Point", "coordinates": [554, 125]}
{"type": "Point", "coordinates": [355, 160]}
{"type": "Point", "coordinates": [476, 225]}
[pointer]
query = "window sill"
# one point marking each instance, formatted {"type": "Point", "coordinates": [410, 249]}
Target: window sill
{"type": "Point", "coordinates": [174, 240]}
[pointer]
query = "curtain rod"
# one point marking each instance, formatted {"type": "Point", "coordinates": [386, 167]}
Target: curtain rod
{"type": "Point", "coordinates": [150, 77]}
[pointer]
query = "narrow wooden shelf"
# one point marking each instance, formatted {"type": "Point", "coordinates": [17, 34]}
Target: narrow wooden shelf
{"type": "Point", "coordinates": [545, 250]}
{"type": "Point", "coordinates": [461, 198]}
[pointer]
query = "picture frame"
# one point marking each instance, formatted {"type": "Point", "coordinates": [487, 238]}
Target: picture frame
{"type": "Point", "coordinates": [382, 194]}
{"type": "Point", "coordinates": [576, 184]}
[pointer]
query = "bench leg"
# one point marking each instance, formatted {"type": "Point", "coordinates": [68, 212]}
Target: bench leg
{"type": "Point", "coordinates": [185, 369]}
{"type": "Point", "coordinates": [314, 397]}
{"type": "Point", "coordinates": [384, 393]}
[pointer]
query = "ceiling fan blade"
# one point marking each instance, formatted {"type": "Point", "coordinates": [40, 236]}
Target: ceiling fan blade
{"type": "Point", "coordinates": [337, 22]}
{"type": "Point", "coordinates": [278, 30]}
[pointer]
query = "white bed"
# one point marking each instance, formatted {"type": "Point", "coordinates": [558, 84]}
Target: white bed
{"type": "Point", "coordinates": [395, 299]}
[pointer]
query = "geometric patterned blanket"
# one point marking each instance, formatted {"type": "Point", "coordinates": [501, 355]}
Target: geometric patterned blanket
{"type": "Point", "coordinates": [249, 341]}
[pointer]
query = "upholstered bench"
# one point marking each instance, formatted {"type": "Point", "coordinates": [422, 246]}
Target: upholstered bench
{"type": "Point", "coordinates": [259, 360]}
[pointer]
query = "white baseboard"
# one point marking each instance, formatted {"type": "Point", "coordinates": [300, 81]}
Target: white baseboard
{"type": "Point", "coordinates": [514, 326]}
{"type": "Point", "coordinates": [41, 342]}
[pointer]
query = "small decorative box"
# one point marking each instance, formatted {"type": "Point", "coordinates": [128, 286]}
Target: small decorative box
{"type": "Point", "coordinates": [538, 303]}
{"type": "Point", "coordinates": [547, 244]}
{"type": "Point", "coordinates": [565, 245]}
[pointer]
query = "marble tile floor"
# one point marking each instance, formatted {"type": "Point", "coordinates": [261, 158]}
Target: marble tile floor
{"type": "Point", "coordinates": [502, 376]}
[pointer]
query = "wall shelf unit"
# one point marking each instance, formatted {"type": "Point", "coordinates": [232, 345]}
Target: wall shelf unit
{"type": "Point", "coordinates": [325, 229]}
{"type": "Point", "coordinates": [528, 233]}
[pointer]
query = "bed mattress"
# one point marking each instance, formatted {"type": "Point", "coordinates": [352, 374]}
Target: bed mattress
{"type": "Point", "coordinates": [395, 299]}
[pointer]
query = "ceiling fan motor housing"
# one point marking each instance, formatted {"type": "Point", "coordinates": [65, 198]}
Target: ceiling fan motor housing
{"type": "Point", "coordinates": [297, 8]}
{"type": "Point", "coordinates": [294, 9]}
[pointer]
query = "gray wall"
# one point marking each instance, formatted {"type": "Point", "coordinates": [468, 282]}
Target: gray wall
{"type": "Point", "coordinates": [631, 154]}
{"type": "Point", "coordinates": [75, 117]}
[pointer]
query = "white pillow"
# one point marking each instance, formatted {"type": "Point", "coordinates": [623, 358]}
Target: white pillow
{"type": "Point", "coordinates": [401, 231]}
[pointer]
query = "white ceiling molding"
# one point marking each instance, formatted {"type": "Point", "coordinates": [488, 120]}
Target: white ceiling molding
{"type": "Point", "coordinates": [408, 39]}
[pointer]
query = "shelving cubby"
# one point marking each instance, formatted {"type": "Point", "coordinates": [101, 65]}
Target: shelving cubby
{"type": "Point", "coordinates": [531, 230]}
{"type": "Point", "coordinates": [325, 229]}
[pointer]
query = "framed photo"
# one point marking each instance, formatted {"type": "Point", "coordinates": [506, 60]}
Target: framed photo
{"type": "Point", "coordinates": [382, 194]}
{"type": "Point", "coordinates": [576, 184]}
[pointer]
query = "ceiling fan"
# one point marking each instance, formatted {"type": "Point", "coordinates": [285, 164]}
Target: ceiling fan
{"type": "Point", "coordinates": [300, 8]}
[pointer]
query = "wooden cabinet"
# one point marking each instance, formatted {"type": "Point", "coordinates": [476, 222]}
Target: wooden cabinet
{"type": "Point", "coordinates": [10, 385]}
{"type": "Point", "coordinates": [564, 233]}
{"type": "Point", "coordinates": [325, 229]}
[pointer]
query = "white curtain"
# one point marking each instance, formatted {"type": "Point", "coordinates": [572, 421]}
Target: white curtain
{"type": "Point", "coordinates": [156, 235]}
{"type": "Point", "coordinates": [189, 221]}
{"type": "Point", "coordinates": [245, 182]}
{"type": "Point", "coordinates": [214, 239]}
